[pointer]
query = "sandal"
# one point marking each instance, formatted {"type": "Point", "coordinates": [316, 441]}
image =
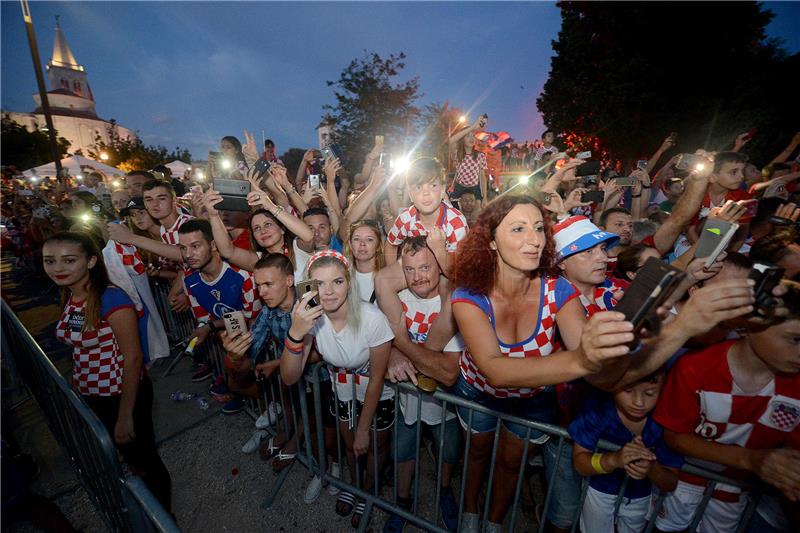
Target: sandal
{"type": "Point", "coordinates": [282, 460]}
{"type": "Point", "coordinates": [267, 450]}
{"type": "Point", "coordinates": [355, 520]}
{"type": "Point", "coordinates": [344, 503]}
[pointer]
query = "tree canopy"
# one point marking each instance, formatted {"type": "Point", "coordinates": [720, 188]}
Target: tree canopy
{"type": "Point", "coordinates": [25, 149]}
{"type": "Point", "coordinates": [132, 154]}
{"type": "Point", "coordinates": [627, 74]}
{"type": "Point", "coordinates": [369, 102]}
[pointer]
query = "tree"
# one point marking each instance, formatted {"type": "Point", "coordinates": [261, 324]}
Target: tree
{"type": "Point", "coordinates": [438, 122]}
{"type": "Point", "coordinates": [292, 158]}
{"type": "Point", "coordinates": [27, 149]}
{"type": "Point", "coordinates": [627, 74]}
{"type": "Point", "coordinates": [369, 103]}
{"type": "Point", "coordinates": [132, 154]}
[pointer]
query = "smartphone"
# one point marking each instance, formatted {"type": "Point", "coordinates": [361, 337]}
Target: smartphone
{"type": "Point", "coordinates": [714, 238]}
{"type": "Point", "coordinates": [333, 151]}
{"type": "Point", "coordinates": [593, 196]}
{"type": "Point", "coordinates": [674, 136]}
{"type": "Point", "coordinates": [235, 323]}
{"type": "Point", "coordinates": [385, 160]}
{"type": "Point", "coordinates": [766, 276]}
{"type": "Point", "coordinates": [625, 181]}
{"type": "Point", "coordinates": [654, 283]}
{"type": "Point", "coordinates": [25, 192]}
{"type": "Point", "coordinates": [641, 164]}
{"type": "Point", "coordinates": [751, 209]}
{"type": "Point", "coordinates": [307, 286]}
{"type": "Point", "coordinates": [313, 181]}
{"type": "Point", "coordinates": [691, 162]}
{"type": "Point", "coordinates": [584, 155]}
{"type": "Point", "coordinates": [234, 194]}
{"type": "Point", "coordinates": [588, 168]}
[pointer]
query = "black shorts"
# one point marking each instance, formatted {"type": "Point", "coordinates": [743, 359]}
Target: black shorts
{"type": "Point", "coordinates": [384, 413]}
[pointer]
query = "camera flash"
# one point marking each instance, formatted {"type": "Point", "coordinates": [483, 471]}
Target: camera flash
{"type": "Point", "coordinates": [523, 180]}
{"type": "Point", "coordinates": [699, 166]}
{"type": "Point", "coordinates": [226, 164]}
{"type": "Point", "coordinates": [86, 217]}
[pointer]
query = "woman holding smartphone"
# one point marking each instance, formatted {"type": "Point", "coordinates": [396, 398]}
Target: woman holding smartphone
{"type": "Point", "coordinates": [100, 322]}
{"type": "Point", "coordinates": [355, 339]}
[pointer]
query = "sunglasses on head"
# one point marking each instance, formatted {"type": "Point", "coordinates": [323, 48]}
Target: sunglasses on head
{"type": "Point", "coordinates": [364, 222]}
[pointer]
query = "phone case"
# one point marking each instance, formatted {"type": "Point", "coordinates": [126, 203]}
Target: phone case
{"type": "Point", "coordinates": [234, 194]}
{"type": "Point", "coordinates": [714, 238]}
{"type": "Point", "coordinates": [235, 323]}
{"type": "Point", "coordinates": [654, 283]}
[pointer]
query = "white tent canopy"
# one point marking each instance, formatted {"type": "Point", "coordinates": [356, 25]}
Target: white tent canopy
{"type": "Point", "coordinates": [178, 168]}
{"type": "Point", "coordinates": [76, 164]}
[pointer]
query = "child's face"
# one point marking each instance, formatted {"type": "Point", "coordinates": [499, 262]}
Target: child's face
{"type": "Point", "coordinates": [730, 176]}
{"type": "Point", "coordinates": [779, 346]}
{"type": "Point", "coordinates": [426, 196]}
{"type": "Point", "coordinates": [635, 401]}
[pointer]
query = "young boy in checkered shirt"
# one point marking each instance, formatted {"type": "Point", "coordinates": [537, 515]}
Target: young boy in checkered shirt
{"type": "Point", "coordinates": [732, 408]}
{"type": "Point", "coordinates": [442, 225]}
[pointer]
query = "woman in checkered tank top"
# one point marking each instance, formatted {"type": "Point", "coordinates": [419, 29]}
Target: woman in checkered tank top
{"type": "Point", "coordinates": [514, 314]}
{"type": "Point", "coordinates": [100, 322]}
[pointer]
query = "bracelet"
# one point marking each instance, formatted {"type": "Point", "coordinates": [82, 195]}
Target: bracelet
{"type": "Point", "coordinates": [292, 348]}
{"type": "Point", "coordinates": [290, 344]}
{"type": "Point", "coordinates": [278, 210]}
{"type": "Point", "coordinates": [296, 341]}
{"type": "Point", "coordinates": [646, 186]}
{"type": "Point", "coordinates": [636, 195]}
{"type": "Point", "coordinates": [597, 465]}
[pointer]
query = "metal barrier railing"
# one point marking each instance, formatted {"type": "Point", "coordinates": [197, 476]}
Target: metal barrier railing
{"type": "Point", "coordinates": [558, 435]}
{"type": "Point", "coordinates": [124, 503]}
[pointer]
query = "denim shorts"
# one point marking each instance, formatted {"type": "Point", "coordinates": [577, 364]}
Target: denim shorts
{"type": "Point", "coordinates": [540, 408]}
{"type": "Point", "coordinates": [459, 189]}
{"type": "Point", "coordinates": [407, 440]}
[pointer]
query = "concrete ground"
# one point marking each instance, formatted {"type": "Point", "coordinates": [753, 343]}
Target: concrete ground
{"type": "Point", "coordinates": [200, 449]}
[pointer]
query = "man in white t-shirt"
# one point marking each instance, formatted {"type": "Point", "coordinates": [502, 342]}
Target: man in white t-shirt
{"type": "Point", "coordinates": [421, 305]}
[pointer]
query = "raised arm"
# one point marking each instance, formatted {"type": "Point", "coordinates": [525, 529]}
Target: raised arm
{"type": "Point", "coordinates": [121, 233]}
{"type": "Point", "coordinates": [668, 143]}
{"type": "Point", "coordinates": [261, 199]}
{"type": "Point", "coordinates": [360, 205]}
{"type": "Point", "coordinates": [245, 259]}
{"type": "Point", "coordinates": [457, 136]}
{"type": "Point", "coordinates": [687, 206]}
{"type": "Point", "coordinates": [787, 152]}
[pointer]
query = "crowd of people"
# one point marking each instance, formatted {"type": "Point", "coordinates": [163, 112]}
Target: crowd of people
{"type": "Point", "coordinates": [500, 293]}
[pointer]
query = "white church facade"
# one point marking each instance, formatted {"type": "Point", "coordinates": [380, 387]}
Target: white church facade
{"type": "Point", "coordinates": [71, 102]}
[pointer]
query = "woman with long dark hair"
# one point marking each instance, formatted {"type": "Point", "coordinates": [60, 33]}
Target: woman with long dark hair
{"type": "Point", "coordinates": [100, 322]}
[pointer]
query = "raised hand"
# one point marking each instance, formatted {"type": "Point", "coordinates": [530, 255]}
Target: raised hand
{"type": "Point", "coordinates": [249, 148]}
{"type": "Point", "coordinates": [574, 199]}
{"type": "Point", "coordinates": [210, 200]}
{"type": "Point", "coordinates": [331, 168]}
{"type": "Point", "coordinates": [605, 337]}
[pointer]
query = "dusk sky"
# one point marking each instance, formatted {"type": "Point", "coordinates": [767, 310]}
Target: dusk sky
{"type": "Point", "coordinates": [188, 73]}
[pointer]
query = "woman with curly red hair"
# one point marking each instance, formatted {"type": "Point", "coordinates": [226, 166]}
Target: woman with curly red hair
{"type": "Point", "coordinates": [513, 313]}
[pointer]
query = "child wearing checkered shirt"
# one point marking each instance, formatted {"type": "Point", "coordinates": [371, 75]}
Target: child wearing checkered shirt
{"type": "Point", "coordinates": [734, 407]}
{"type": "Point", "coordinates": [643, 458]}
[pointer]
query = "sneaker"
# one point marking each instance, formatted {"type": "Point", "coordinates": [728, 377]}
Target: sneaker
{"type": "Point", "coordinates": [219, 388]}
{"type": "Point", "coordinates": [491, 527]}
{"type": "Point", "coordinates": [470, 523]}
{"type": "Point", "coordinates": [255, 440]}
{"type": "Point", "coordinates": [270, 416]}
{"type": "Point", "coordinates": [449, 509]}
{"type": "Point", "coordinates": [335, 471]}
{"type": "Point", "coordinates": [203, 374]}
{"type": "Point", "coordinates": [234, 406]}
{"type": "Point", "coordinates": [313, 490]}
{"type": "Point", "coordinates": [394, 524]}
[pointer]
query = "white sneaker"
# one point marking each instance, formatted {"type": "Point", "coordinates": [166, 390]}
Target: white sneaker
{"type": "Point", "coordinates": [335, 471]}
{"type": "Point", "coordinates": [252, 444]}
{"type": "Point", "coordinates": [313, 490]}
{"type": "Point", "coordinates": [269, 417]}
{"type": "Point", "coordinates": [470, 523]}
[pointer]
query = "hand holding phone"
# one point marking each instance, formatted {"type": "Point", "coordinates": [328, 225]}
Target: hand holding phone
{"type": "Point", "coordinates": [653, 285]}
{"type": "Point", "coordinates": [235, 324]}
{"type": "Point", "coordinates": [306, 286]}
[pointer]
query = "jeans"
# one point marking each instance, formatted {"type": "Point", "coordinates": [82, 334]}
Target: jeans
{"type": "Point", "coordinates": [565, 483]}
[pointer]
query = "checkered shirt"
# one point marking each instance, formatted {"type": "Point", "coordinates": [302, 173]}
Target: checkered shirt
{"type": "Point", "coordinates": [407, 224]}
{"type": "Point", "coordinates": [469, 170]}
{"type": "Point", "coordinates": [603, 298]}
{"type": "Point", "coordinates": [701, 398]}
{"type": "Point", "coordinates": [130, 257]}
{"type": "Point", "coordinates": [96, 359]}
{"type": "Point", "coordinates": [542, 343]}
{"type": "Point", "coordinates": [542, 150]}
{"type": "Point", "coordinates": [170, 235]}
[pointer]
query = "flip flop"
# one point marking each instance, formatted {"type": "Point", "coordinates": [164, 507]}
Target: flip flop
{"type": "Point", "coordinates": [267, 450]}
{"type": "Point", "coordinates": [344, 503]}
{"type": "Point", "coordinates": [358, 514]}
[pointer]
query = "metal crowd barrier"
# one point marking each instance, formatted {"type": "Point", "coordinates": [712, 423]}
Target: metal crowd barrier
{"type": "Point", "coordinates": [125, 504]}
{"type": "Point", "coordinates": [430, 521]}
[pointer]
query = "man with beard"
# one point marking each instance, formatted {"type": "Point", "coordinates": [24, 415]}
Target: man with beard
{"type": "Point", "coordinates": [214, 288]}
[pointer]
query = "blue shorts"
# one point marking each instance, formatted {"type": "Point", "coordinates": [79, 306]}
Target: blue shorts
{"type": "Point", "coordinates": [407, 440]}
{"type": "Point", "coordinates": [459, 189]}
{"type": "Point", "coordinates": [540, 408]}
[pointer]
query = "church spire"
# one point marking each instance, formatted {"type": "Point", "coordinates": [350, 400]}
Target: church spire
{"type": "Point", "coordinates": [62, 55]}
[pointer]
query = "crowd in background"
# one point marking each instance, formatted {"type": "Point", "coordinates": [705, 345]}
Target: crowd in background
{"type": "Point", "coordinates": [499, 291]}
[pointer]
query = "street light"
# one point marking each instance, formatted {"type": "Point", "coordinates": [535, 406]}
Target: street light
{"type": "Point", "coordinates": [104, 156]}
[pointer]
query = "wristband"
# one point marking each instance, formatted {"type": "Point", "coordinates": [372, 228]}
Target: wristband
{"type": "Point", "coordinates": [597, 465]}
{"type": "Point", "coordinates": [636, 195]}
{"type": "Point", "coordinates": [293, 349]}
{"type": "Point", "coordinates": [296, 341]}
{"type": "Point", "coordinates": [645, 186]}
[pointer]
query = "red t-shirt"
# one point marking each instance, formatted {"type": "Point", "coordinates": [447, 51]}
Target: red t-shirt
{"type": "Point", "coordinates": [706, 206]}
{"type": "Point", "coordinates": [701, 398]}
{"type": "Point", "coordinates": [243, 240]}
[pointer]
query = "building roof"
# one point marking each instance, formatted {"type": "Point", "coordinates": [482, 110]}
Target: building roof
{"type": "Point", "coordinates": [62, 55]}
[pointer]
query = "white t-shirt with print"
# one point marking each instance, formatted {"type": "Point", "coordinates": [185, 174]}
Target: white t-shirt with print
{"type": "Point", "coordinates": [349, 350]}
{"type": "Point", "coordinates": [420, 314]}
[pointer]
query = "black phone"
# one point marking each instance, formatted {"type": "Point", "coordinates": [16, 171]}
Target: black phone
{"type": "Point", "coordinates": [593, 196]}
{"type": "Point", "coordinates": [588, 168]}
{"type": "Point", "coordinates": [766, 276]}
{"type": "Point", "coordinates": [654, 283]}
{"type": "Point", "coordinates": [306, 286]}
{"type": "Point", "coordinates": [260, 167]}
{"type": "Point", "coordinates": [234, 194]}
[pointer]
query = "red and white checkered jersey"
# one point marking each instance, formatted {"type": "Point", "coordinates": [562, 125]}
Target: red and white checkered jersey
{"type": "Point", "coordinates": [469, 169]}
{"type": "Point", "coordinates": [407, 224]}
{"type": "Point", "coordinates": [701, 397]}
{"type": "Point", "coordinates": [97, 362]}
{"type": "Point", "coordinates": [170, 235]}
{"type": "Point", "coordinates": [542, 150]}
{"type": "Point", "coordinates": [130, 257]}
{"type": "Point", "coordinates": [555, 293]}
{"type": "Point", "coordinates": [603, 297]}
